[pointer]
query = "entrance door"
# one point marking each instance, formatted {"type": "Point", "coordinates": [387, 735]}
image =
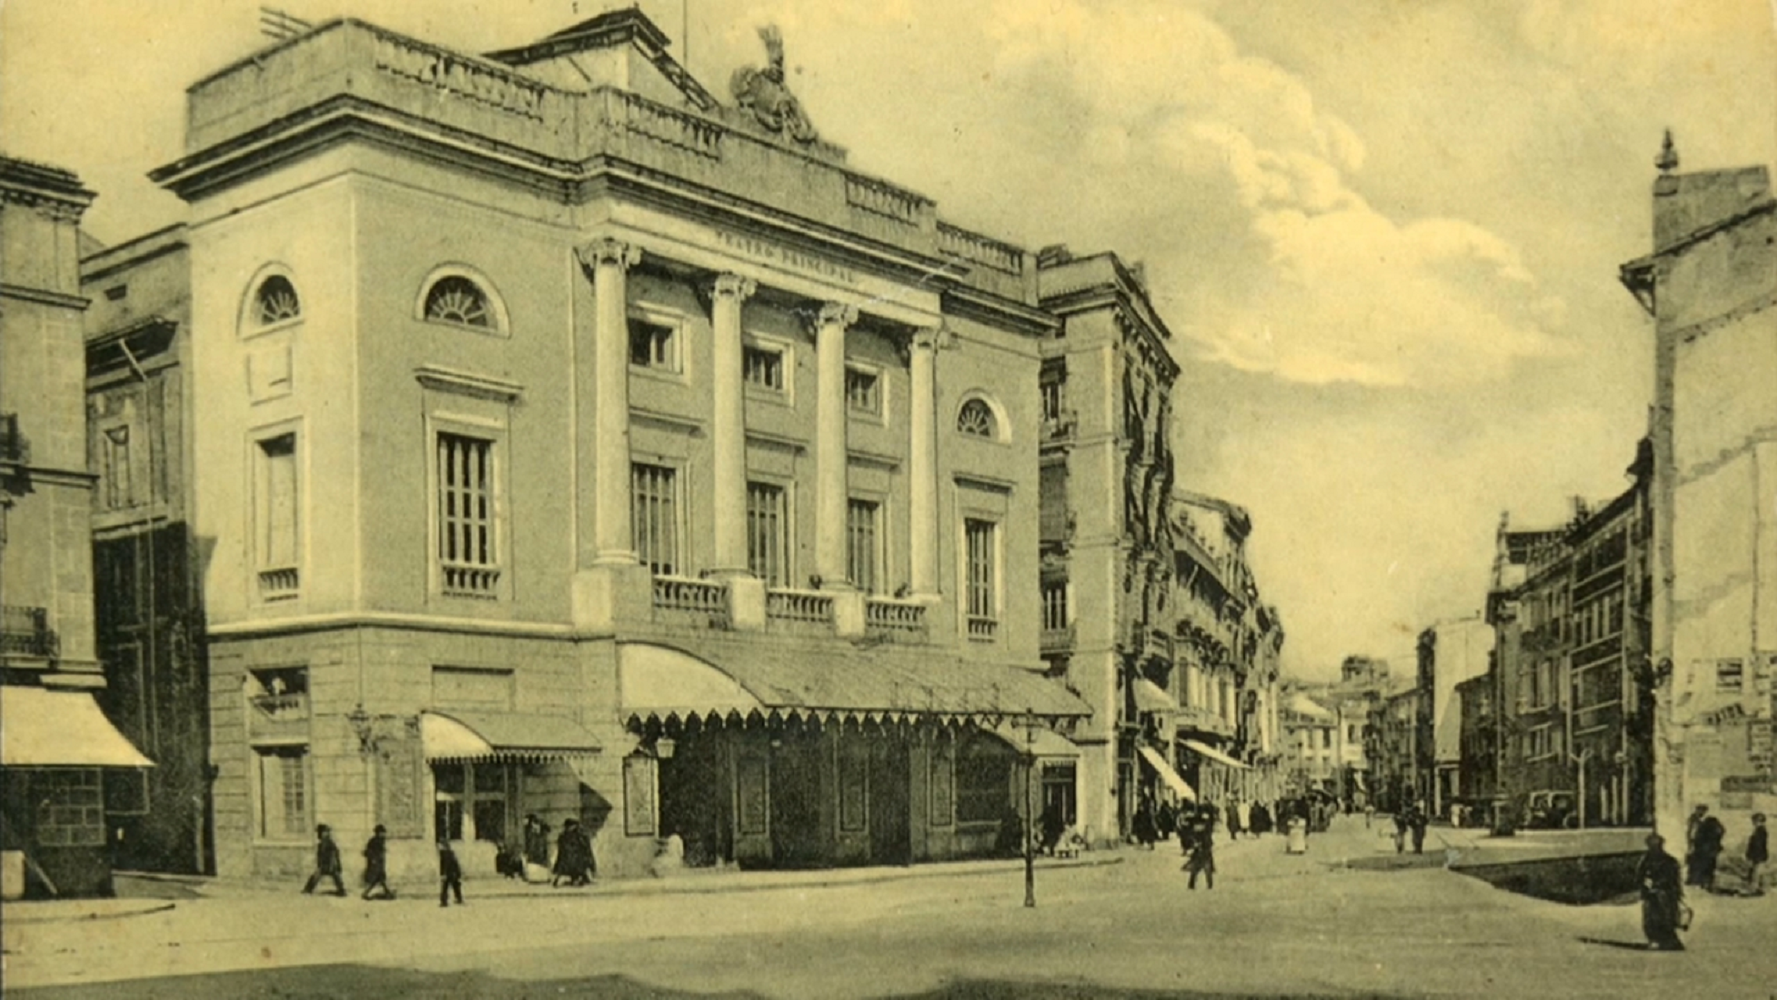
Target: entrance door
{"type": "Point", "coordinates": [891, 779]}
{"type": "Point", "coordinates": [796, 801]}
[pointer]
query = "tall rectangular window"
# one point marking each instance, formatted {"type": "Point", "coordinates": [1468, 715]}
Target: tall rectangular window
{"type": "Point", "coordinates": [1730, 676]}
{"type": "Point", "coordinates": [863, 391]}
{"type": "Point", "coordinates": [862, 553]}
{"type": "Point", "coordinates": [982, 589]}
{"type": "Point", "coordinates": [120, 489]}
{"type": "Point", "coordinates": [1054, 605]}
{"type": "Point", "coordinates": [279, 515]}
{"type": "Point", "coordinates": [468, 552]}
{"type": "Point", "coordinates": [654, 518]}
{"type": "Point", "coordinates": [283, 792]}
{"type": "Point", "coordinates": [768, 536]}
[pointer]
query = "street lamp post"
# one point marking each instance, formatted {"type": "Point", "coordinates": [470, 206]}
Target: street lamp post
{"type": "Point", "coordinates": [1030, 826]}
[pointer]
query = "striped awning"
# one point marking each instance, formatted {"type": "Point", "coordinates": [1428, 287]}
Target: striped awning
{"type": "Point", "coordinates": [44, 728]}
{"type": "Point", "coordinates": [1213, 754]}
{"type": "Point", "coordinates": [491, 736]}
{"type": "Point", "coordinates": [1170, 777]}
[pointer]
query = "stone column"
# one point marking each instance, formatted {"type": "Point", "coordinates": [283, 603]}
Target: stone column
{"type": "Point", "coordinates": [830, 436]}
{"type": "Point", "coordinates": [922, 491]}
{"type": "Point", "coordinates": [728, 438]}
{"type": "Point", "coordinates": [610, 261]}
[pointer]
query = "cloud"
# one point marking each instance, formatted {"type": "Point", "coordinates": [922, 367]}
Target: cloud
{"type": "Point", "coordinates": [1340, 291]}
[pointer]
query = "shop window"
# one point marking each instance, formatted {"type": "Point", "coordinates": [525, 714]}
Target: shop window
{"type": "Point", "coordinates": [983, 781]}
{"type": "Point", "coordinates": [471, 801]}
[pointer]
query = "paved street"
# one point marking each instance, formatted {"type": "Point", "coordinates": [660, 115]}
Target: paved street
{"type": "Point", "coordinates": [1274, 924]}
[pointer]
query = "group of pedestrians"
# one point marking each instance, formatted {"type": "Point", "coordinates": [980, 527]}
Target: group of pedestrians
{"type": "Point", "coordinates": [574, 864]}
{"type": "Point", "coordinates": [1663, 910]}
{"type": "Point", "coordinates": [1410, 822]}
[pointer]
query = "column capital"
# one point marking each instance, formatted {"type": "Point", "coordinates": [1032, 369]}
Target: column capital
{"type": "Point", "coordinates": [930, 338]}
{"type": "Point", "coordinates": [733, 286]}
{"type": "Point", "coordinates": [609, 251]}
{"type": "Point", "coordinates": [836, 312]}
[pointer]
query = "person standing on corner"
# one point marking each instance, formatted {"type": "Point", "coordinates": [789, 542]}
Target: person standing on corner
{"type": "Point", "coordinates": [1758, 851]}
{"type": "Point", "coordinates": [450, 874]}
{"type": "Point", "coordinates": [1416, 822]}
{"type": "Point", "coordinates": [327, 863]}
{"type": "Point", "coordinates": [376, 864]}
{"type": "Point", "coordinates": [1706, 842]}
{"type": "Point", "coordinates": [1661, 896]}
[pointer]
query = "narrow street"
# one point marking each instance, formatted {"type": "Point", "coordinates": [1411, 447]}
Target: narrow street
{"type": "Point", "coordinates": [1273, 924]}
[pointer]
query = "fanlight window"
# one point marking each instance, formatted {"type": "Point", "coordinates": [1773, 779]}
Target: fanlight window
{"type": "Point", "coordinates": [276, 301]}
{"type": "Point", "coordinates": [456, 299]}
{"type": "Point", "coordinates": [976, 419]}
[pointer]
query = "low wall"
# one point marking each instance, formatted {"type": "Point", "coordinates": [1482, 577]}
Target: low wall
{"type": "Point", "coordinates": [1581, 880]}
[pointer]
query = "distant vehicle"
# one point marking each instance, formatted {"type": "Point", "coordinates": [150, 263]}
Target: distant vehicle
{"type": "Point", "coordinates": [1549, 809]}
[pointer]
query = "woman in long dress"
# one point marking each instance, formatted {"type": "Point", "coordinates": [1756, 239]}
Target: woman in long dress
{"type": "Point", "coordinates": [1662, 892]}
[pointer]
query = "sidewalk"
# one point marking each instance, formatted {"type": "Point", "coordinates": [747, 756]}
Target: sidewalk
{"type": "Point", "coordinates": [138, 894]}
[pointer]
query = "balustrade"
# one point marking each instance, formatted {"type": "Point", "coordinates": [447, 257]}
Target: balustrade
{"type": "Point", "coordinates": [884, 199]}
{"type": "Point", "coordinates": [979, 249]}
{"type": "Point", "coordinates": [25, 631]}
{"type": "Point", "coordinates": [799, 606]}
{"type": "Point", "coordinates": [894, 620]}
{"type": "Point", "coordinates": [477, 81]}
{"type": "Point", "coordinates": [470, 581]}
{"type": "Point", "coordinates": [279, 583]}
{"type": "Point", "coordinates": [643, 117]}
{"type": "Point", "coordinates": [695, 597]}
{"type": "Point", "coordinates": [983, 629]}
{"type": "Point", "coordinates": [279, 716]}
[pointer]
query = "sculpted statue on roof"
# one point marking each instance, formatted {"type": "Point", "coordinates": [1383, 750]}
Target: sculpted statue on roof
{"type": "Point", "coordinates": [762, 91]}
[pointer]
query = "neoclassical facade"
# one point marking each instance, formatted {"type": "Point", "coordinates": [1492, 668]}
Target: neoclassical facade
{"type": "Point", "coordinates": [578, 444]}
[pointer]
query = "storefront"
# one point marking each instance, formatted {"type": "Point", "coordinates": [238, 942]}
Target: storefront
{"type": "Point", "coordinates": [54, 746]}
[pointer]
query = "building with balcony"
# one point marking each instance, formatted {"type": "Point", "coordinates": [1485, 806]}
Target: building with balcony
{"type": "Point", "coordinates": [1572, 703]}
{"type": "Point", "coordinates": [1401, 750]}
{"type": "Point", "coordinates": [1710, 284]}
{"type": "Point", "coordinates": [145, 558]}
{"type": "Point", "coordinates": [579, 444]}
{"type": "Point", "coordinates": [1312, 737]}
{"type": "Point", "coordinates": [1477, 779]}
{"type": "Point", "coordinates": [55, 744]}
{"type": "Point", "coordinates": [1104, 396]}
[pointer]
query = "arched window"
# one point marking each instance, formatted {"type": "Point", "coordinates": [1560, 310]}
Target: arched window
{"type": "Point", "coordinates": [456, 299]}
{"type": "Point", "coordinates": [275, 301]}
{"type": "Point", "coordinates": [977, 420]}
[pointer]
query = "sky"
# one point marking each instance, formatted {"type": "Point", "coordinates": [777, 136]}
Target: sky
{"type": "Point", "coordinates": [1385, 233]}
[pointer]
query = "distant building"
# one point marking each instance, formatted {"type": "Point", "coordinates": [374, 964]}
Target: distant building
{"type": "Point", "coordinates": [145, 557]}
{"type": "Point", "coordinates": [1477, 779]}
{"type": "Point", "coordinates": [1401, 764]}
{"type": "Point", "coordinates": [1311, 744]}
{"type": "Point", "coordinates": [1448, 654]}
{"type": "Point", "coordinates": [55, 743]}
{"type": "Point", "coordinates": [1710, 283]}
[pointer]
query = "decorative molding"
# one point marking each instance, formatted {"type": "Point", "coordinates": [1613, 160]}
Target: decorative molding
{"type": "Point", "coordinates": [837, 312]}
{"type": "Point", "coordinates": [442, 379]}
{"type": "Point", "coordinates": [976, 480]}
{"type": "Point", "coordinates": [733, 286]}
{"type": "Point", "coordinates": [44, 296]}
{"type": "Point", "coordinates": [872, 459]}
{"type": "Point", "coordinates": [667, 421]}
{"type": "Point", "coordinates": [766, 439]}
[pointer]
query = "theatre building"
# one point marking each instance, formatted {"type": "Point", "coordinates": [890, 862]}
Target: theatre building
{"type": "Point", "coordinates": [578, 443]}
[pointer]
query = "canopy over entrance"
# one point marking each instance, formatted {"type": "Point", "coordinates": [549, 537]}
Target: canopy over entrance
{"type": "Point", "coordinates": [738, 680]}
{"type": "Point", "coordinates": [1170, 777]}
{"type": "Point", "coordinates": [1150, 697]}
{"type": "Point", "coordinates": [44, 728]}
{"type": "Point", "coordinates": [1213, 754]}
{"type": "Point", "coordinates": [1037, 741]}
{"type": "Point", "coordinates": [489, 736]}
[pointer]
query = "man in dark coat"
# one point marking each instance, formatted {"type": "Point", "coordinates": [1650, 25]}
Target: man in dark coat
{"type": "Point", "coordinates": [1261, 819]}
{"type": "Point", "coordinates": [1758, 851]}
{"type": "Point", "coordinates": [450, 874]}
{"type": "Point", "coordinates": [1661, 896]}
{"type": "Point", "coordinates": [1143, 824]}
{"type": "Point", "coordinates": [376, 864]}
{"type": "Point", "coordinates": [327, 863]}
{"type": "Point", "coordinates": [1416, 822]}
{"type": "Point", "coordinates": [1706, 841]}
{"type": "Point", "coordinates": [573, 856]}
{"type": "Point", "coordinates": [1165, 820]}
{"type": "Point", "coordinates": [1202, 859]}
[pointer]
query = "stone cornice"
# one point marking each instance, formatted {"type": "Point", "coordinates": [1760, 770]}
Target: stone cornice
{"type": "Point", "coordinates": [462, 383]}
{"type": "Point", "coordinates": [44, 296]}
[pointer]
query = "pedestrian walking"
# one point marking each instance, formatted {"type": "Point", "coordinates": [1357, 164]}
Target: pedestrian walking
{"type": "Point", "coordinates": [1369, 814]}
{"type": "Point", "coordinates": [1706, 834]}
{"type": "Point", "coordinates": [1143, 824]}
{"type": "Point", "coordinates": [1416, 822]}
{"type": "Point", "coordinates": [450, 874]}
{"type": "Point", "coordinates": [376, 864]}
{"type": "Point", "coordinates": [1202, 858]}
{"type": "Point", "coordinates": [1233, 808]}
{"type": "Point", "coordinates": [1165, 820]}
{"type": "Point", "coordinates": [327, 863]}
{"type": "Point", "coordinates": [573, 856]}
{"type": "Point", "coordinates": [1662, 897]}
{"type": "Point", "coordinates": [1261, 819]}
{"type": "Point", "coordinates": [1758, 851]}
{"type": "Point", "coordinates": [1400, 831]}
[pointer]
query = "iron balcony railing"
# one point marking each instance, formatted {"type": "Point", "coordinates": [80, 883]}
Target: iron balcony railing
{"type": "Point", "coordinates": [25, 631]}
